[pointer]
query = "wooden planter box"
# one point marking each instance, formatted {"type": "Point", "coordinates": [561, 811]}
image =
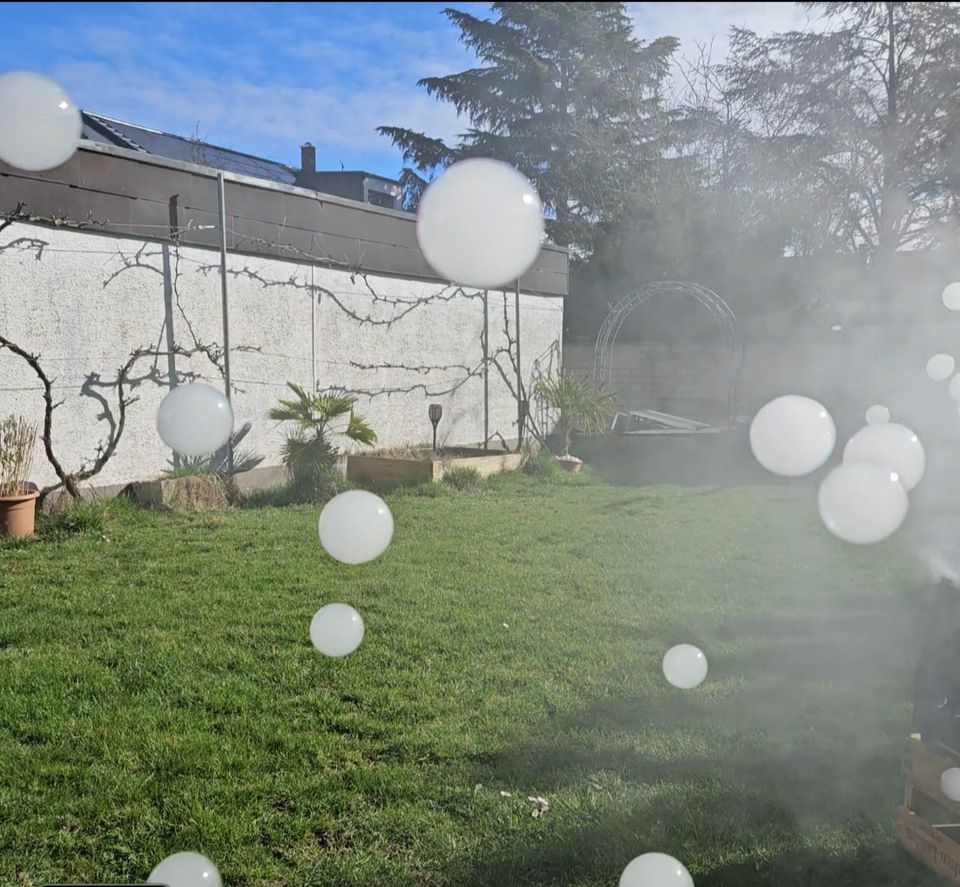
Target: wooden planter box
{"type": "Point", "coordinates": [929, 822]}
{"type": "Point", "coordinates": [414, 469]}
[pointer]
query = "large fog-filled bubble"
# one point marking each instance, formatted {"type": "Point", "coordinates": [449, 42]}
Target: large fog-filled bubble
{"type": "Point", "coordinates": [940, 367]}
{"type": "Point", "coordinates": [792, 435]}
{"type": "Point", "coordinates": [862, 502]}
{"type": "Point", "coordinates": [186, 870]}
{"type": "Point", "coordinates": [355, 527]}
{"type": "Point", "coordinates": [480, 223]}
{"type": "Point", "coordinates": [39, 125]}
{"type": "Point", "coordinates": [655, 870]}
{"type": "Point", "coordinates": [951, 296]}
{"type": "Point", "coordinates": [336, 630]}
{"type": "Point", "coordinates": [685, 666]}
{"type": "Point", "coordinates": [950, 783]}
{"type": "Point", "coordinates": [892, 446]}
{"type": "Point", "coordinates": [195, 420]}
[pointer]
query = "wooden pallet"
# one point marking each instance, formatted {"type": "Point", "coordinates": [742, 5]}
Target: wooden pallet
{"type": "Point", "coordinates": [928, 825]}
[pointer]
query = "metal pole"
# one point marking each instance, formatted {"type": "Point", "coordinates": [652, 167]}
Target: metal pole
{"type": "Point", "coordinates": [520, 416]}
{"type": "Point", "coordinates": [313, 334]}
{"type": "Point", "coordinates": [486, 376]}
{"type": "Point", "coordinates": [225, 308]}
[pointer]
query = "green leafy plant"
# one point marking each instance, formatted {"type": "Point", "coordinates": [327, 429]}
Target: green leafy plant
{"type": "Point", "coordinates": [541, 465]}
{"type": "Point", "coordinates": [580, 405]}
{"type": "Point", "coordinates": [17, 439]}
{"type": "Point", "coordinates": [308, 451]}
{"type": "Point", "coordinates": [219, 462]}
{"type": "Point", "coordinates": [460, 477]}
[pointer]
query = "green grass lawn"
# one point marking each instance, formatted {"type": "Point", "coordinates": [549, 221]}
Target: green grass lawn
{"type": "Point", "coordinates": [158, 693]}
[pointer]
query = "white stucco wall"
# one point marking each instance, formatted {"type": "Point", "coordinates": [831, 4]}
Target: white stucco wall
{"type": "Point", "coordinates": [86, 300]}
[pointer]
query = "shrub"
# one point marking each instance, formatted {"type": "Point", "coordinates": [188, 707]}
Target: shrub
{"type": "Point", "coordinates": [541, 465]}
{"type": "Point", "coordinates": [308, 453]}
{"type": "Point", "coordinates": [80, 518]}
{"type": "Point", "coordinates": [462, 478]}
{"type": "Point", "coordinates": [580, 405]}
{"type": "Point", "coordinates": [17, 439]}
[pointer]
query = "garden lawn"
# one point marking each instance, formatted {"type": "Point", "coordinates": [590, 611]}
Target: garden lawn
{"type": "Point", "coordinates": [158, 693]}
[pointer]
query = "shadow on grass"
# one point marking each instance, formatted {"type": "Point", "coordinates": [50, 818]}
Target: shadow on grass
{"type": "Point", "coordinates": [796, 774]}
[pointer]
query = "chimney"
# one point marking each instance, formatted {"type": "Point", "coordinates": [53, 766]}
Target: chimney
{"type": "Point", "coordinates": [308, 160]}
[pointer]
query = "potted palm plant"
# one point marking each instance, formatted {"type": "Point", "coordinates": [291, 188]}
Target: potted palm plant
{"type": "Point", "coordinates": [18, 499]}
{"type": "Point", "coordinates": [580, 406]}
{"type": "Point", "coordinates": [308, 451]}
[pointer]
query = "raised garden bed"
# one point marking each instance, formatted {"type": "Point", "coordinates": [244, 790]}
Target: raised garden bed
{"type": "Point", "coordinates": [425, 465]}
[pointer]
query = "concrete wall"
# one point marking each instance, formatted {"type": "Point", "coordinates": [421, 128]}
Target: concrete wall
{"type": "Point", "coordinates": [84, 301]}
{"type": "Point", "coordinates": [848, 370]}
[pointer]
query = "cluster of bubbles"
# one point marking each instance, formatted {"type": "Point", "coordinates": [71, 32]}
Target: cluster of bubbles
{"type": "Point", "coordinates": [862, 501]}
{"type": "Point", "coordinates": [479, 224]}
{"type": "Point", "coordinates": [941, 367]}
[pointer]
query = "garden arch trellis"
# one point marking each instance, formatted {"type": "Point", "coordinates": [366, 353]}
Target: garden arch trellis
{"type": "Point", "coordinates": [727, 325]}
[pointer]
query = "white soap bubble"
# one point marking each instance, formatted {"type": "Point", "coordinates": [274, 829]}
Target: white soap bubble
{"type": "Point", "coordinates": [480, 223]}
{"type": "Point", "coordinates": [950, 783]}
{"type": "Point", "coordinates": [792, 435]}
{"type": "Point", "coordinates": [891, 446]}
{"type": "Point", "coordinates": [954, 387]}
{"type": "Point", "coordinates": [656, 870]}
{"type": "Point", "coordinates": [195, 420]}
{"type": "Point", "coordinates": [186, 870]}
{"type": "Point", "coordinates": [940, 367]}
{"type": "Point", "coordinates": [336, 630]}
{"type": "Point", "coordinates": [877, 413]}
{"type": "Point", "coordinates": [355, 527]}
{"type": "Point", "coordinates": [685, 666]}
{"type": "Point", "coordinates": [39, 125]}
{"type": "Point", "coordinates": [951, 296]}
{"type": "Point", "coordinates": [862, 502]}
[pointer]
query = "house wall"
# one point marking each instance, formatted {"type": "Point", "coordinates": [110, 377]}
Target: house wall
{"type": "Point", "coordinates": [84, 299]}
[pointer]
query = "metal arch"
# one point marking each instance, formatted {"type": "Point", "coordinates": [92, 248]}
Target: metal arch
{"type": "Point", "coordinates": [726, 320]}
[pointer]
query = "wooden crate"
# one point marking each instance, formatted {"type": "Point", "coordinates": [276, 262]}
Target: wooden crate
{"type": "Point", "coordinates": [928, 825]}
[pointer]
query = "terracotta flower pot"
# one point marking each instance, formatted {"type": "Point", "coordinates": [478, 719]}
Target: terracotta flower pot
{"type": "Point", "coordinates": [18, 514]}
{"type": "Point", "coordinates": [570, 463]}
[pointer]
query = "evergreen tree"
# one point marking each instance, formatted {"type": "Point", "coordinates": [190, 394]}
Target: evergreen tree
{"type": "Point", "coordinates": [566, 94]}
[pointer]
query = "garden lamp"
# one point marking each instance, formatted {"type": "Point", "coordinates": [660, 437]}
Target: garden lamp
{"type": "Point", "coordinates": [435, 411]}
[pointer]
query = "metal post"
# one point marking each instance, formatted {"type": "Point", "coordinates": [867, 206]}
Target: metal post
{"type": "Point", "coordinates": [313, 333]}
{"type": "Point", "coordinates": [486, 376]}
{"type": "Point", "coordinates": [225, 308]}
{"type": "Point", "coordinates": [172, 380]}
{"type": "Point", "coordinates": [520, 416]}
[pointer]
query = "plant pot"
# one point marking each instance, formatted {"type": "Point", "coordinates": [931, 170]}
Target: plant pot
{"type": "Point", "coordinates": [18, 514]}
{"type": "Point", "coordinates": [570, 463]}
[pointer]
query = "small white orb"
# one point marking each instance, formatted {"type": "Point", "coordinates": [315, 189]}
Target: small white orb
{"type": "Point", "coordinates": [877, 413]}
{"type": "Point", "coordinates": [792, 435]}
{"type": "Point", "coordinates": [195, 420]}
{"type": "Point", "coordinates": [951, 296]}
{"type": "Point", "coordinates": [892, 446]}
{"type": "Point", "coordinates": [685, 666]}
{"type": "Point", "coordinates": [862, 502]}
{"type": "Point", "coordinates": [480, 223]}
{"type": "Point", "coordinates": [656, 870]}
{"type": "Point", "coordinates": [950, 783]}
{"type": "Point", "coordinates": [186, 870]}
{"type": "Point", "coordinates": [355, 527]}
{"type": "Point", "coordinates": [940, 367]}
{"type": "Point", "coordinates": [39, 125]}
{"type": "Point", "coordinates": [336, 630]}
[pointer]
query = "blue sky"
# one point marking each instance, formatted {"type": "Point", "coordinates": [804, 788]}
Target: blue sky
{"type": "Point", "coordinates": [265, 77]}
